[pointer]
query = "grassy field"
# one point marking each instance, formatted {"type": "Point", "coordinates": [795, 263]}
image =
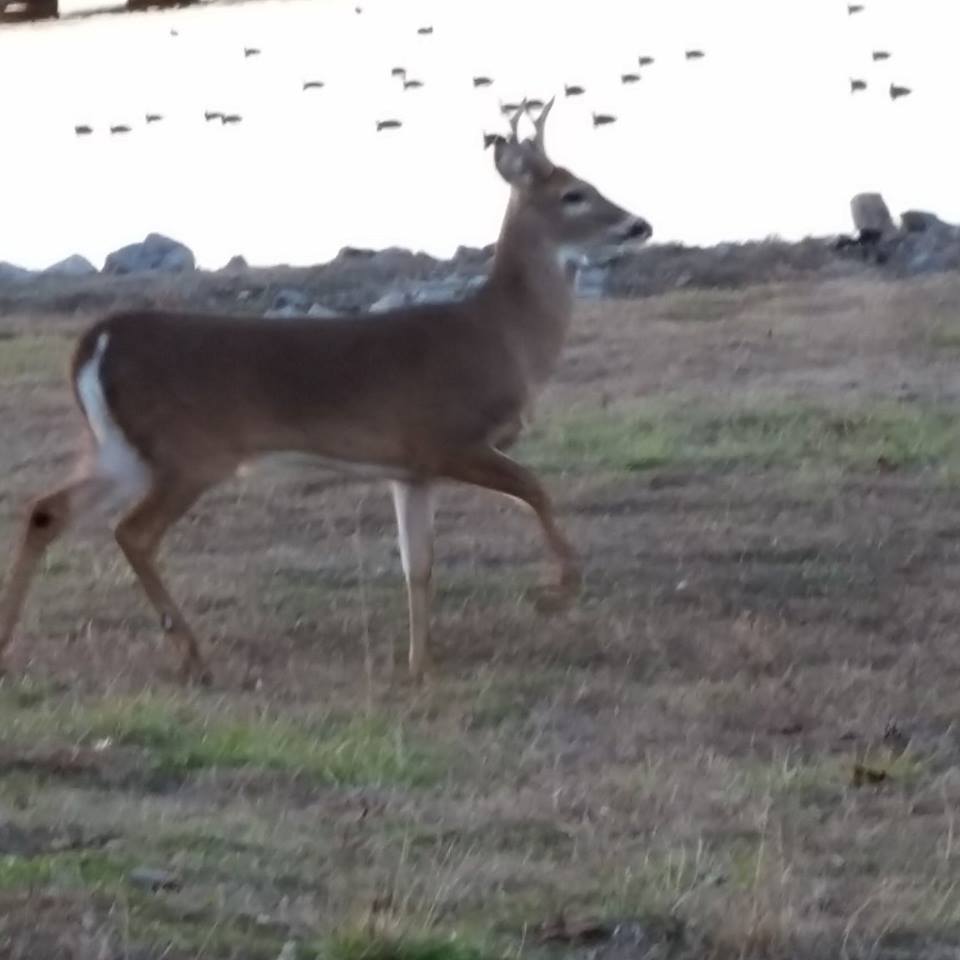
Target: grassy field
{"type": "Point", "coordinates": [741, 742]}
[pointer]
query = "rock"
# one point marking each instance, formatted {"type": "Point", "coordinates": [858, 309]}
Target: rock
{"type": "Point", "coordinates": [919, 221]}
{"type": "Point", "coordinates": [153, 879]}
{"type": "Point", "coordinates": [446, 291]}
{"type": "Point", "coordinates": [72, 266]}
{"type": "Point", "coordinates": [236, 263]}
{"type": "Point", "coordinates": [155, 253]}
{"type": "Point", "coordinates": [871, 215]}
{"type": "Point", "coordinates": [354, 253]}
{"type": "Point", "coordinates": [591, 282]}
{"type": "Point", "coordinates": [391, 300]}
{"type": "Point", "coordinates": [319, 310]}
{"type": "Point", "coordinates": [11, 273]}
{"type": "Point", "coordinates": [291, 297]}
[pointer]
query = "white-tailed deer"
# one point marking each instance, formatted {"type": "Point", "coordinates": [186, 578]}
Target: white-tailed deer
{"type": "Point", "coordinates": [176, 402]}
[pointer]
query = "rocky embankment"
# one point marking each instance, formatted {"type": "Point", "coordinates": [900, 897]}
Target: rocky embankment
{"type": "Point", "coordinates": [162, 272]}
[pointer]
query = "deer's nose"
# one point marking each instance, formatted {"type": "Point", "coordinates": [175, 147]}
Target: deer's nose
{"type": "Point", "coordinates": [638, 229]}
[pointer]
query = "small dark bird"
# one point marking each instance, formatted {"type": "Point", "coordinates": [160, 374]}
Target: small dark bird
{"type": "Point", "coordinates": [857, 85]}
{"type": "Point", "coordinates": [82, 130]}
{"type": "Point", "coordinates": [482, 81]}
{"type": "Point", "coordinates": [694, 54]}
{"type": "Point", "coordinates": [425, 31]}
{"type": "Point", "coordinates": [629, 77]}
{"type": "Point", "coordinates": [154, 117]}
{"type": "Point", "coordinates": [897, 92]}
{"type": "Point", "coordinates": [358, 10]}
{"type": "Point", "coordinates": [489, 139]}
{"type": "Point", "coordinates": [209, 115]}
{"type": "Point", "coordinates": [120, 128]}
{"type": "Point", "coordinates": [312, 84]}
{"type": "Point", "coordinates": [231, 118]}
{"type": "Point", "coordinates": [881, 54]}
{"type": "Point", "coordinates": [388, 125]}
{"type": "Point", "coordinates": [507, 108]}
{"type": "Point", "coordinates": [602, 119]}
{"type": "Point", "coordinates": [534, 104]}
{"type": "Point", "coordinates": [646, 61]}
{"type": "Point", "coordinates": [251, 51]}
{"type": "Point", "coordinates": [573, 90]}
{"type": "Point", "coordinates": [398, 72]}
{"type": "Point", "coordinates": [174, 32]}
{"type": "Point", "coordinates": [853, 8]}
{"type": "Point", "coordinates": [412, 84]}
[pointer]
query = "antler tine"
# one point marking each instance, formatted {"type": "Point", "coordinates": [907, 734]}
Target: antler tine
{"type": "Point", "coordinates": [540, 123]}
{"type": "Point", "coordinates": [515, 119]}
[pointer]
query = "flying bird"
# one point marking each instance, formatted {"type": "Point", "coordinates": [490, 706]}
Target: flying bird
{"type": "Point", "coordinates": [154, 117]}
{"type": "Point", "coordinates": [398, 72]}
{"type": "Point", "coordinates": [388, 125]}
{"type": "Point", "coordinates": [602, 119]}
{"type": "Point", "coordinates": [482, 81]}
{"type": "Point", "coordinates": [573, 90]}
{"type": "Point", "coordinates": [645, 61]}
{"type": "Point", "coordinates": [230, 118]}
{"type": "Point", "coordinates": [534, 104]}
{"type": "Point", "coordinates": [209, 115]}
{"type": "Point", "coordinates": [120, 128]}
{"type": "Point", "coordinates": [694, 54]}
{"type": "Point", "coordinates": [312, 84]}
{"type": "Point", "coordinates": [174, 32]}
{"type": "Point", "coordinates": [412, 84]}
{"type": "Point", "coordinates": [853, 8]}
{"type": "Point", "coordinates": [896, 92]}
{"type": "Point", "coordinates": [857, 85]}
{"type": "Point", "coordinates": [251, 51]}
{"type": "Point", "coordinates": [881, 54]}
{"type": "Point", "coordinates": [509, 108]}
{"type": "Point", "coordinates": [425, 31]}
{"type": "Point", "coordinates": [629, 77]}
{"type": "Point", "coordinates": [82, 130]}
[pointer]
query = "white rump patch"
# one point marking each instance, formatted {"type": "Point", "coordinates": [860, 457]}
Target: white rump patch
{"type": "Point", "coordinates": [117, 460]}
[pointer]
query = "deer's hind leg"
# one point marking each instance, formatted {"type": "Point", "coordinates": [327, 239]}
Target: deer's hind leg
{"type": "Point", "coordinates": [138, 534]}
{"type": "Point", "coordinates": [47, 518]}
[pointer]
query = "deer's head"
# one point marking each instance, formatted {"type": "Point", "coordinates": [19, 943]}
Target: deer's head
{"type": "Point", "coordinates": [570, 213]}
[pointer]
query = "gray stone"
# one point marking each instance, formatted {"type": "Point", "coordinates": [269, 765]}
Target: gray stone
{"type": "Point", "coordinates": [72, 266]}
{"type": "Point", "coordinates": [920, 221]}
{"type": "Point", "coordinates": [870, 213]}
{"type": "Point", "coordinates": [155, 253]}
{"type": "Point", "coordinates": [291, 297]}
{"type": "Point", "coordinates": [11, 273]}
{"type": "Point", "coordinates": [319, 310]}
{"type": "Point", "coordinates": [591, 282]}
{"type": "Point", "coordinates": [391, 300]}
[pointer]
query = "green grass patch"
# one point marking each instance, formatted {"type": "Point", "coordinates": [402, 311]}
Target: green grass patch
{"type": "Point", "coordinates": [34, 357]}
{"type": "Point", "coordinates": [178, 737]}
{"type": "Point", "coordinates": [893, 435]}
{"type": "Point", "coordinates": [380, 946]}
{"type": "Point", "coordinates": [82, 870]}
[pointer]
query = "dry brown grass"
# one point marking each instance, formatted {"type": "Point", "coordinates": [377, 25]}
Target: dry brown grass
{"type": "Point", "coordinates": [769, 601]}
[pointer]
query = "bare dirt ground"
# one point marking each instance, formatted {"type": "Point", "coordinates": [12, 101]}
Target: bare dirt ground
{"type": "Point", "coordinates": [741, 742]}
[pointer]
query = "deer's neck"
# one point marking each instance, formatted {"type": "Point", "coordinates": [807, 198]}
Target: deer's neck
{"type": "Point", "coordinates": [533, 290]}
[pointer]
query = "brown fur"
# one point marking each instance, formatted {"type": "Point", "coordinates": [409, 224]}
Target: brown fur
{"type": "Point", "coordinates": [420, 394]}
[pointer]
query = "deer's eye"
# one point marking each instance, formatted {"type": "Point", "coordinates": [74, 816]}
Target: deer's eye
{"type": "Point", "coordinates": [573, 197]}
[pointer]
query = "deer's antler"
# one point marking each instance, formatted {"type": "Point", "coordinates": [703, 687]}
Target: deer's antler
{"type": "Point", "coordinates": [539, 124]}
